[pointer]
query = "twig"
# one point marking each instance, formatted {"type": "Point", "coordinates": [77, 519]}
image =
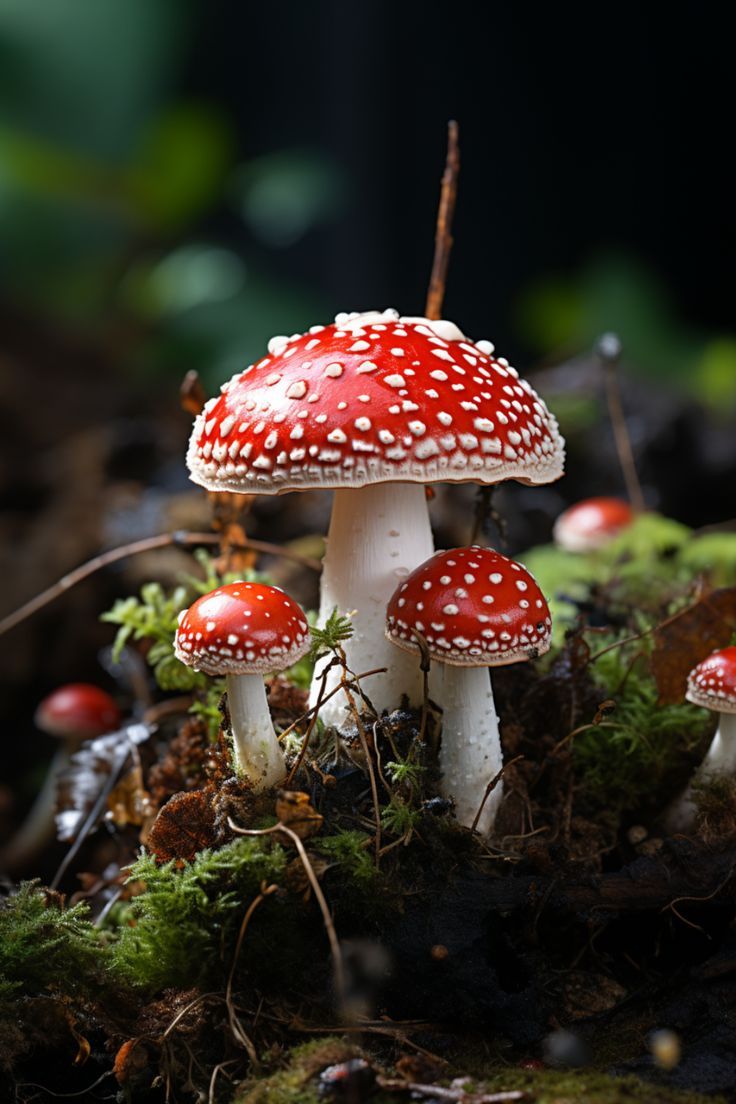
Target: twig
{"type": "Point", "coordinates": [353, 681]}
{"type": "Point", "coordinates": [310, 728]}
{"type": "Point", "coordinates": [235, 1025]}
{"type": "Point", "coordinates": [366, 751]}
{"type": "Point", "coordinates": [609, 351]}
{"type": "Point", "coordinates": [180, 539]}
{"type": "Point", "coordinates": [443, 233]}
{"type": "Point", "coordinates": [457, 1096]}
{"type": "Point", "coordinates": [317, 890]}
{"type": "Point", "coordinates": [491, 787]}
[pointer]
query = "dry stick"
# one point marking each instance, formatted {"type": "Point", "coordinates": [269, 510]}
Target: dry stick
{"type": "Point", "coordinates": [354, 681]}
{"type": "Point", "coordinates": [443, 233]}
{"type": "Point", "coordinates": [366, 751]}
{"type": "Point", "coordinates": [317, 890]}
{"type": "Point", "coordinates": [235, 1025]}
{"type": "Point", "coordinates": [179, 539]}
{"type": "Point", "coordinates": [490, 788]}
{"type": "Point", "coordinates": [609, 351]}
{"type": "Point", "coordinates": [439, 1092]}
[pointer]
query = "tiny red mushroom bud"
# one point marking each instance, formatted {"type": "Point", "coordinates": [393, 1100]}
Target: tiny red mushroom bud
{"type": "Point", "coordinates": [592, 523]}
{"type": "Point", "coordinates": [475, 609]}
{"type": "Point", "coordinates": [712, 685]}
{"type": "Point", "coordinates": [72, 713]}
{"type": "Point", "coordinates": [243, 631]}
{"type": "Point", "coordinates": [78, 711]}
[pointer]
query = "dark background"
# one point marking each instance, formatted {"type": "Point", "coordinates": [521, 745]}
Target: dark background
{"type": "Point", "coordinates": [179, 181]}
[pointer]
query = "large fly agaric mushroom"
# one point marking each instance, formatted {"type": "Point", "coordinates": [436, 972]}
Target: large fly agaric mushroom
{"type": "Point", "coordinates": [711, 684]}
{"type": "Point", "coordinates": [475, 609]}
{"type": "Point", "coordinates": [243, 631]}
{"type": "Point", "coordinates": [591, 524]}
{"type": "Point", "coordinates": [71, 714]}
{"type": "Point", "coordinates": [374, 406]}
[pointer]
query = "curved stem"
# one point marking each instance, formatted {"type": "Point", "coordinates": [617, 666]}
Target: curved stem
{"type": "Point", "coordinates": [378, 534]}
{"type": "Point", "coordinates": [257, 752]}
{"type": "Point", "coordinates": [470, 755]}
{"type": "Point", "coordinates": [38, 830]}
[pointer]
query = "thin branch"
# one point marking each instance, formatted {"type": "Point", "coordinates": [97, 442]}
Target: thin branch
{"type": "Point", "coordinates": [235, 1025]}
{"type": "Point", "coordinates": [609, 351]}
{"type": "Point", "coordinates": [443, 234]}
{"type": "Point", "coordinates": [316, 889]}
{"type": "Point", "coordinates": [490, 788]}
{"type": "Point", "coordinates": [180, 539]}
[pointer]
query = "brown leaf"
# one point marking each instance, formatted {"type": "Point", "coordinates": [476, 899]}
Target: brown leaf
{"type": "Point", "coordinates": [129, 802]}
{"type": "Point", "coordinates": [294, 810]}
{"type": "Point", "coordinates": [185, 825]}
{"type": "Point", "coordinates": [687, 638]}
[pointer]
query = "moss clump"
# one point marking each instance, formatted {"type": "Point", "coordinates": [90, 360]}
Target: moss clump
{"type": "Point", "coordinates": [186, 921]}
{"type": "Point", "coordinates": [587, 1086]}
{"type": "Point", "coordinates": [296, 1083]}
{"type": "Point", "coordinates": [715, 801]}
{"type": "Point", "coordinates": [51, 956]}
{"type": "Point", "coordinates": [641, 746]}
{"type": "Point", "coordinates": [349, 850]}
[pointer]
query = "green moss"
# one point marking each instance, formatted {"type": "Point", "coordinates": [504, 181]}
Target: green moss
{"type": "Point", "coordinates": [349, 850]}
{"type": "Point", "coordinates": [183, 928]}
{"type": "Point", "coordinates": [641, 744]}
{"type": "Point", "coordinates": [587, 1086]}
{"type": "Point", "coordinates": [296, 1082]}
{"type": "Point", "coordinates": [713, 554]}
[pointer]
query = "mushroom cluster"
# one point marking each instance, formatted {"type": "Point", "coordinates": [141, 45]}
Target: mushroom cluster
{"type": "Point", "coordinates": [374, 406]}
{"type": "Point", "coordinates": [243, 631]}
{"type": "Point", "coordinates": [474, 609]}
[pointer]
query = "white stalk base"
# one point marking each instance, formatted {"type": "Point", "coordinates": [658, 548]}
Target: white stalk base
{"type": "Point", "coordinates": [470, 755]}
{"type": "Point", "coordinates": [38, 830]}
{"type": "Point", "coordinates": [720, 759]}
{"type": "Point", "coordinates": [378, 535]}
{"type": "Point", "coordinates": [258, 754]}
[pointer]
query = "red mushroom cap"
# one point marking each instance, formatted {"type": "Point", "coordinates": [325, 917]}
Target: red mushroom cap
{"type": "Point", "coordinates": [474, 607]}
{"type": "Point", "coordinates": [591, 523]}
{"type": "Point", "coordinates": [371, 399]}
{"type": "Point", "coordinates": [712, 683]}
{"type": "Point", "coordinates": [78, 710]}
{"type": "Point", "coordinates": [242, 629]}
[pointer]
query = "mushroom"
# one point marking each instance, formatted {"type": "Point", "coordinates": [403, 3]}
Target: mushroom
{"type": "Point", "coordinates": [374, 406]}
{"type": "Point", "coordinates": [71, 714]}
{"type": "Point", "coordinates": [711, 684]}
{"type": "Point", "coordinates": [242, 631]}
{"type": "Point", "coordinates": [475, 609]}
{"type": "Point", "coordinates": [591, 523]}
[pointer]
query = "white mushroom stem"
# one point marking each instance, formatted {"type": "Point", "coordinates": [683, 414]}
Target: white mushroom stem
{"type": "Point", "coordinates": [470, 754]}
{"type": "Point", "coordinates": [258, 754]}
{"type": "Point", "coordinates": [378, 534]}
{"type": "Point", "coordinates": [720, 759]}
{"type": "Point", "coordinates": [38, 830]}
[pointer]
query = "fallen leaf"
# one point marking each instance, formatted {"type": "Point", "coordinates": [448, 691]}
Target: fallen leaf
{"type": "Point", "coordinates": [295, 811]}
{"type": "Point", "coordinates": [684, 640]}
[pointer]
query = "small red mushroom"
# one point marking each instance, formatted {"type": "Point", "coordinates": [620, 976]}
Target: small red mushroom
{"type": "Point", "coordinates": [712, 684]}
{"type": "Point", "coordinates": [79, 711]}
{"type": "Point", "coordinates": [76, 712]}
{"type": "Point", "coordinates": [243, 631]}
{"type": "Point", "coordinates": [475, 609]}
{"type": "Point", "coordinates": [590, 524]}
{"type": "Point", "coordinates": [375, 406]}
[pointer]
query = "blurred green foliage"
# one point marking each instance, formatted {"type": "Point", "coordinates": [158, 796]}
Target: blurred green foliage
{"type": "Point", "coordinates": [564, 314]}
{"type": "Point", "coordinates": [656, 560]}
{"type": "Point", "coordinates": [109, 182]}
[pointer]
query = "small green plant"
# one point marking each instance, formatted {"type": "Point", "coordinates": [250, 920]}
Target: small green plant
{"type": "Point", "coordinates": [349, 849]}
{"type": "Point", "coordinates": [399, 817]}
{"type": "Point", "coordinates": [336, 630]}
{"type": "Point", "coordinates": [406, 773]}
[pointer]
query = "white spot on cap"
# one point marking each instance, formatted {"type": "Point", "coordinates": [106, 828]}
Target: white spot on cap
{"type": "Point", "coordinates": [334, 371]}
{"type": "Point", "coordinates": [296, 390]}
